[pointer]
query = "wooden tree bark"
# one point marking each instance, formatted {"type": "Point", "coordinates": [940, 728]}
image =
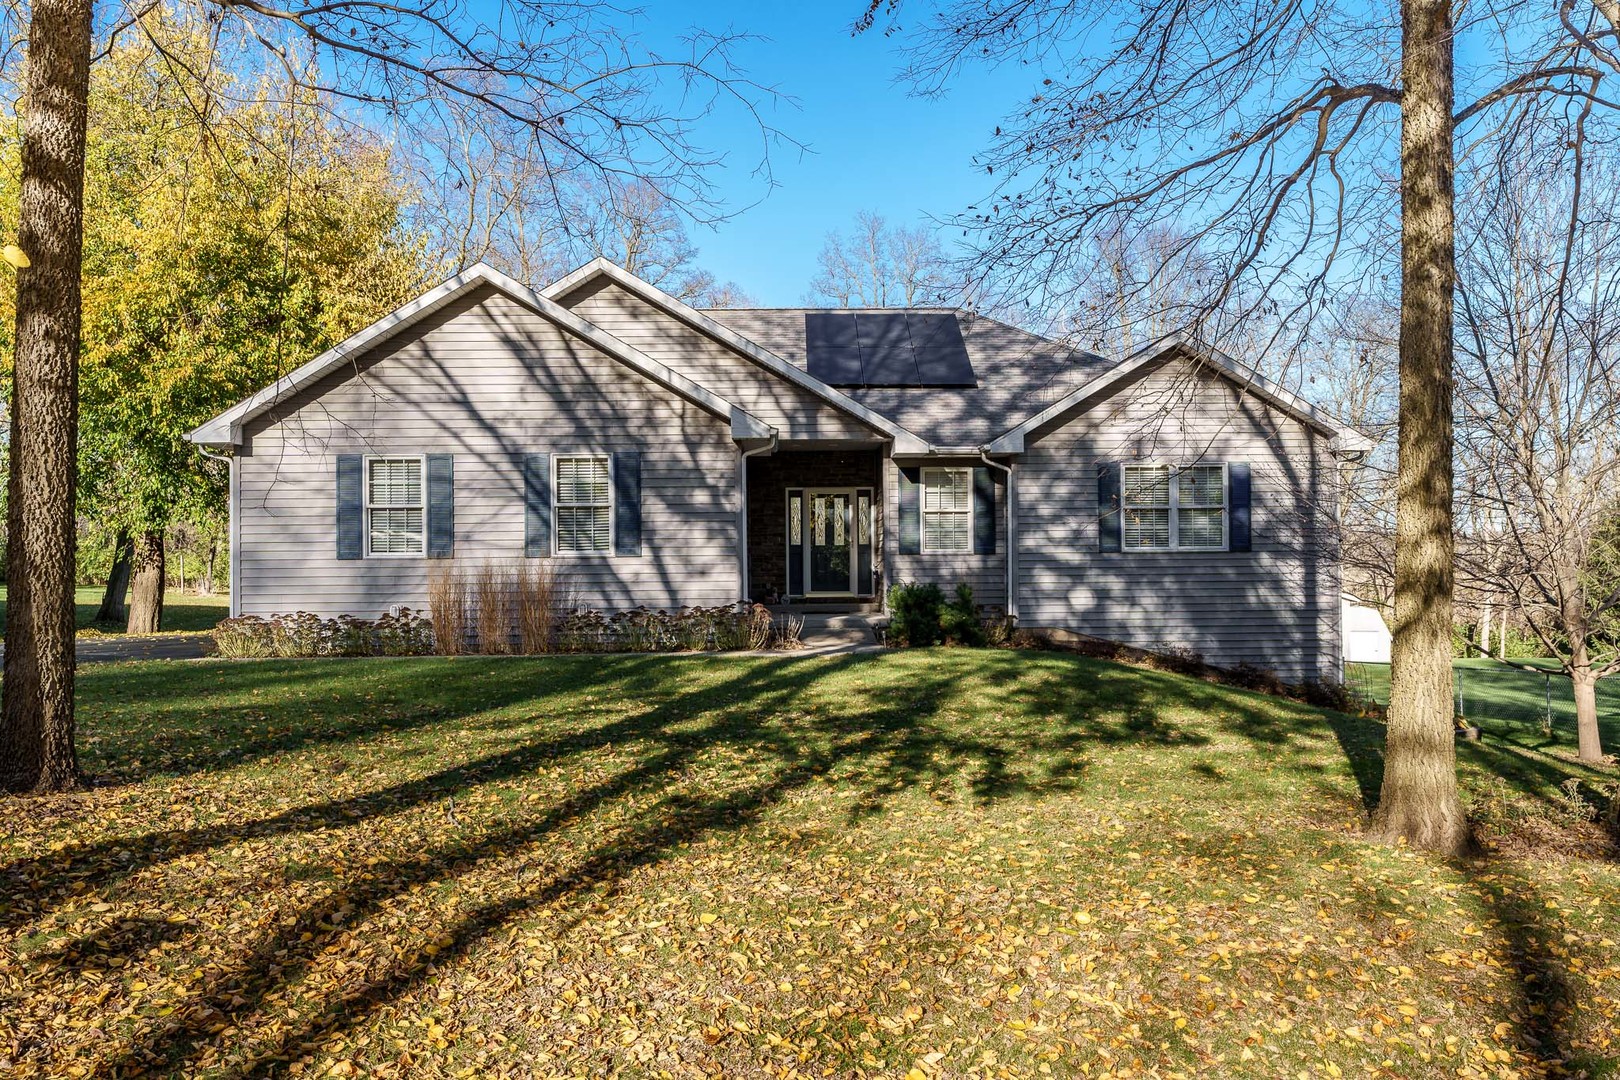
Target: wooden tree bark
{"type": "Point", "coordinates": [112, 601]}
{"type": "Point", "coordinates": [36, 714]}
{"type": "Point", "coordinates": [146, 593]}
{"type": "Point", "coordinates": [208, 568]}
{"type": "Point", "coordinates": [1589, 741]}
{"type": "Point", "coordinates": [1419, 802]}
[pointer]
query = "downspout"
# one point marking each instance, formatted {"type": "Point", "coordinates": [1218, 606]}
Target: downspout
{"type": "Point", "coordinates": [1012, 534]}
{"type": "Point", "coordinates": [233, 525]}
{"type": "Point", "coordinates": [742, 511]}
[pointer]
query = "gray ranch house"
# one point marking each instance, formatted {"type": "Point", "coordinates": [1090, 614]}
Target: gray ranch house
{"type": "Point", "coordinates": [671, 457]}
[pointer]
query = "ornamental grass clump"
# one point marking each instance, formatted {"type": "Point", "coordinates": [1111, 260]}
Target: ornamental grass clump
{"type": "Point", "coordinates": [447, 607]}
{"type": "Point", "coordinates": [492, 603]}
{"type": "Point", "coordinates": [542, 602]}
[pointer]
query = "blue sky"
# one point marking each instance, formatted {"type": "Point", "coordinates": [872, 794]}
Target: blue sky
{"type": "Point", "coordinates": [871, 145]}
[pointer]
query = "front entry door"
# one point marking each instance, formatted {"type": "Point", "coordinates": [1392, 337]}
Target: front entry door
{"type": "Point", "coordinates": [831, 533]}
{"type": "Point", "coordinates": [831, 547]}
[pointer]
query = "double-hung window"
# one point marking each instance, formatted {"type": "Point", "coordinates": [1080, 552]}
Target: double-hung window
{"type": "Point", "coordinates": [1174, 509]}
{"type": "Point", "coordinates": [396, 515]}
{"type": "Point", "coordinates": [947, 510]}
{"type": "Point", "coordinates": [584, 505]}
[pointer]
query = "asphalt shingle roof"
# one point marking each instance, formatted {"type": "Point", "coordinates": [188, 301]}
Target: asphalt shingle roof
{"type": "Point", "coordinates": [1019, 373]}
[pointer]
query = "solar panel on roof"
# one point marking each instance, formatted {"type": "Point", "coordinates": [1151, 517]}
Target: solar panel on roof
{"type": "Point", "coordinates": [887, 358]}
{"type": "Point", "coordinates": [826, 330]}
{"type": "Point", "coordinates": [837, 365]}
{"type": "Point", "coordinates": [942, 358]}
{"type": "Point", "coordinates": [886, 348]}
{"type": "Point", "coordinates": [882, 330]}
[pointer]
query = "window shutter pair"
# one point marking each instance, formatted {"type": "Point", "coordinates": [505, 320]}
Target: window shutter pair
{"type": "Point", "coordinates": [351, 506]}
{"type": "Point", "coordinates": [537, 516]}
{"type": "Point", "coordinates": [984, 511]}
{"type": "Point", "coordinates": [1110, 519]}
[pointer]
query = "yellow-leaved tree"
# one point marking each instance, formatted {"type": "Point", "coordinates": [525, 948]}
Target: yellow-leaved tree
{"type": "Point", "coordinates": [232, 232]}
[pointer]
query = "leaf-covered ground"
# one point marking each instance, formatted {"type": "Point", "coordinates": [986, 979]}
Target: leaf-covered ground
{"type": "Point", "coordinates": [933, 863]}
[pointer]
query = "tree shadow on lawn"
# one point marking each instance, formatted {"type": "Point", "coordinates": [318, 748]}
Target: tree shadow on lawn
{"type": "Point", "coordinates": [874, 746]}
{"type": "Point", "coordinates": [134, 728]}
{"type": "Point", "coordinates": [1514, 903]}
{"type": "Point", "coordinates": [767, 715]}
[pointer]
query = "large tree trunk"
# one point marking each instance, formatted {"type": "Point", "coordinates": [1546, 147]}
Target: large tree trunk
{"type": "Point", "coordinates": [1419, 802]}
{"type": "Point", "coordinates": [36, 716]}
{"type": "Point", "coordinates": [146, 597]}
{"type": "Point", "coordinates": [112, 601]}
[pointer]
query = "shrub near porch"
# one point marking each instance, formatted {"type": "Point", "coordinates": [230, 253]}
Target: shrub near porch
{"type": "Point", "coordinates": [934, 862]}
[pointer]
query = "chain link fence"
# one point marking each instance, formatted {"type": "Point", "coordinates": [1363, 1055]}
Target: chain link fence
{"type": "Point", "coordinates": [1497, 693]}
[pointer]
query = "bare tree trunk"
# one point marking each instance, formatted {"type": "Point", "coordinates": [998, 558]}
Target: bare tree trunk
{"type": "Point", "coordinates": [36, 716]}
{"type": "Point", "coordinates": [112, 601]}
{"type": "Point", "coordinates": [208, 568]}
{"type": "Point", "coordinates": [1419, 802]}
{"type": "Point", "coordinates": [146, 598]}
{"type": "Point", "coordinates": [1588, 741]}
{"type": "Point", "coordinates": [1485, 630]}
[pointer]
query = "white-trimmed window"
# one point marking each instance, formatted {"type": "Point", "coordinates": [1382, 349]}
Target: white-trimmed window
{"type": "Point", "coordinates": [396, 513]}
{"type": "Point", "coordinates": [583, 508]}
{"type": "Point", "coordinates": [1174, 509]}
{"type": "Point", "coordinates": [947, 510]}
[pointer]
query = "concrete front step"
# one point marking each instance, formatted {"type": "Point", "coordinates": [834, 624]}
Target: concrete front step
{"type": "Point", "coordinates": [841, 629]}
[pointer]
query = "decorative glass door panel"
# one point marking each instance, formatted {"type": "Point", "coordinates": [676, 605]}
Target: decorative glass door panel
{"type": "Point", "coordinates": [831, 547]}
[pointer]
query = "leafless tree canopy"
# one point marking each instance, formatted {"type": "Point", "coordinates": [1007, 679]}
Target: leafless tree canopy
{"type": "Point", "coordinates": [523, 127]}
{"type": "Point", "coordinates": [1247, 149]}
{"type": "Point", "coordinates": [882, 265]}
{"type": "Point", "coordinates": [1539, 388]}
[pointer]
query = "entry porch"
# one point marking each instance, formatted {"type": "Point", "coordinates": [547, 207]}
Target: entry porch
{"type": "Point", "coordinates": [815, 526]}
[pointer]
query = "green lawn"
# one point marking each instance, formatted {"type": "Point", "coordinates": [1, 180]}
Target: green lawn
{"type": "Point", "coordinates": [1497, 693]}
{"type": "Point", "coordinates": [944, 863]}
{"type": "Point", "coordinates": [181, 611]}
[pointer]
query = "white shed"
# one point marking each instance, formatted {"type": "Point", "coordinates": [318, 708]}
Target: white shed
{"type": "Point", "coordinates": [1366, 637]}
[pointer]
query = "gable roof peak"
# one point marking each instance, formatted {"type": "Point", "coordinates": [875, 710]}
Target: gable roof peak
{"type": "Point", "coordinates": [600, 267]}
{"type": "Point", "coordinates": [226, 428]}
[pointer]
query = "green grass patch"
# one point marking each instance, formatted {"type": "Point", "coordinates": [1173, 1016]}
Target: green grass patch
{"type": "Point", "coordinates": [958, 862]}
{"type": "Point", "coordinates": [1508, 697]}
{"type": "Point", "coordinates": [181, 611]}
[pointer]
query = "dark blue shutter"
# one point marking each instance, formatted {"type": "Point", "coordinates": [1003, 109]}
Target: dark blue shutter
{"type": "Point", "coordinates": [910, 512]}
{"type": "Point", "coordinates": [1108, 515]}
{"type": "Point", "coordinates": [984, 512]}
{"type": "Point", "coordinates": [627, 502]}
{"type": "Point", "coordinates": [441, 506]}
{"type": "Point", "coordinates": [351, 506]}
{"type": "Point", "coordinates": [1237, 496]}
{"type": "Point", "coordinates": [537, 505]}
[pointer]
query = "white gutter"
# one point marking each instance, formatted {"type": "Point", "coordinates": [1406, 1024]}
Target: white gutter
{"type": "Point", "coordinates": [742, 519]}
{"type": "Point", "coordinates": [1011, 606]}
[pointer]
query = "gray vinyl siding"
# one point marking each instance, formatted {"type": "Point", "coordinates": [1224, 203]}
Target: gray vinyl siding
{"type": "Point", "coordinates": [1276, 606]}
{"type": "Point", "coordinates": [487, 380]}
{"type": "Point", "coordinates": [794, 411]}
{"type": "Point", "coordinates": [987, 574]}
